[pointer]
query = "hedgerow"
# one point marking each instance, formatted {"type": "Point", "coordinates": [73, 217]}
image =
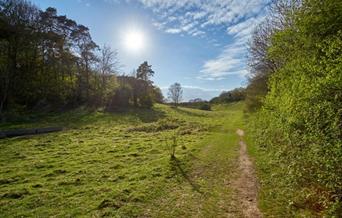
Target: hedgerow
{"type": "Point", "coordinates": [300, 122]}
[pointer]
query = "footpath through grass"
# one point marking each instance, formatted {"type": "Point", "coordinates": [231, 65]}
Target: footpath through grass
{"type": "Point", "coordinates": [117, 165]}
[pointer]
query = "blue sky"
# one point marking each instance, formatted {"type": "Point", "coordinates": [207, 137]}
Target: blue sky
{"type": "Point", "coordinates": [198, 43]}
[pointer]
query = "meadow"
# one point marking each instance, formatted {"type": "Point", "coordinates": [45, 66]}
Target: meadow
{"type": "Point", "coordinates": [118, 164]}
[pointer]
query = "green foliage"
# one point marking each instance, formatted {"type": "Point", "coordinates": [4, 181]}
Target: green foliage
{"type": "Point", "coordinates": [120, 98]}
{"type": "Point", "coordinates": [197, 104]}
{"type": "Point", "coordinates": [205, 107]}
{"type": "Point", "coordinates": [146, 100]}
{"type": "Point", "coordinates": [46, 60]}
{"type": "Point", "coordinates": [135, 92]}
{"type": "Point", "coordinates": [234, 95]}
{"type": "Point", "coordinates": [145, 71]}
{"type": "Point", "coordinates": [158, 95]}
{"type": "Point", "coordinates": [300, 123]}
{"type": "Point", "coordinates": [50, 62]}
{"type": "Point", "coordinates": [256, 92]}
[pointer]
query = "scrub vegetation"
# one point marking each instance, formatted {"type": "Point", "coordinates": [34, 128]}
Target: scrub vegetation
{"type": "Point", "coordinates": [296, 94]}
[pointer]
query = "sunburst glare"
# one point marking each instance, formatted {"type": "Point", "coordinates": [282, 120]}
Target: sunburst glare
{"type": "Point", "coordinates": [134, 40]}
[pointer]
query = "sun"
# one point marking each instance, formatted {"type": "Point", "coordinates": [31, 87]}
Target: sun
{"type": "Point", "coordinates": [134, 41]}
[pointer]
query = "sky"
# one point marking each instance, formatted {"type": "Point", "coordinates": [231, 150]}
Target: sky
{"type": "Point", "coordinates": [201, 44]}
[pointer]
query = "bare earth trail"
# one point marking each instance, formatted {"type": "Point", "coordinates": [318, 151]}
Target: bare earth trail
{"type": "Point", "coordinates": [217, 180]}
{"type": "Point", "coordinates": [246, 183]}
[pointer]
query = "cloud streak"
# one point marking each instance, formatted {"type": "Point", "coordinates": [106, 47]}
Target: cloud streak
{"type": "Point", "coordinates": [198, 17]}
{"type": "Point", "coordinates": [231, 61]}
{"type": "Point", "coordinates": [194, 17]}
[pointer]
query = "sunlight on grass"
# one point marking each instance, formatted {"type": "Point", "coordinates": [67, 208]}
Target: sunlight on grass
{"type": "Point", "coordinates": [114, 164]}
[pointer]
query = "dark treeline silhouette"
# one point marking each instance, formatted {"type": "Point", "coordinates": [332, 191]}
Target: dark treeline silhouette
{"type": "Point", "coordinates": [225, 97]}
{"type": "Point", "coordinates": [136, 90]}
{"type": "Point", "coordinates": [50, 61]}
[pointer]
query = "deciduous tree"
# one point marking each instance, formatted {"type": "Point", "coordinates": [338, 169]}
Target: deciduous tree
{"type": "Point", "coordinates": [175, 93]}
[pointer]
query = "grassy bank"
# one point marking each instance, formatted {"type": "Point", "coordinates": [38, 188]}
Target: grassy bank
{"type": "Point", "coordinates": [273, 196]}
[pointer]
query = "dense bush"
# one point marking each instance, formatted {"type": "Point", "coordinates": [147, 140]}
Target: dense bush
{"type": "Point", "coordinates": [301, 119]}
{"type": "Point", "coordinates": [135, 92]}
{"type": "Point", "coordinates": [197, 104]}
{"type": "Point", "coordinates": [234, 95]}
{"type": "Point", "coordinates": [206, 107]}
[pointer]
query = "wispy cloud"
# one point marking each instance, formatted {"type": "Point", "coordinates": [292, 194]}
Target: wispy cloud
{"type": "Point", "coordinates": [173, 30]}
{"type": "Point", "coordinates": [232, 59]}
{"type": "Point", "coordinates": [194, 16]}
{"type": "Point", "coordinates": [198, 17]}
{"type": "Point", "coordinates": [229, 62]}
{"type": "Point", "coordinates": [85, 2]}
{"type": "Point", "coordinates": [244, 29]}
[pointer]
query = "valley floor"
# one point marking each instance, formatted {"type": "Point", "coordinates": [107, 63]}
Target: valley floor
{"type": "Point", "coordinates": [118, 165]}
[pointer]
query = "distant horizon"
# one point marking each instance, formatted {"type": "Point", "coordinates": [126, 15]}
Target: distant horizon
{"type": "Point", "coordinates": [201, 45]}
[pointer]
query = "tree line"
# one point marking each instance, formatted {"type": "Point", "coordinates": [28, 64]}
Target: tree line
{"type": "Point", "coordinates": [234, 95]}
{"type": "Point", "coordinates": [296, 93]}
{"type": "Point", "coordinates": [50, 61]}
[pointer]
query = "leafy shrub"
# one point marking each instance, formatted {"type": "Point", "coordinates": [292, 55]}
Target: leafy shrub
{"type": "Point", "coordinates": [234, 95]}
{"type": "Point", "coordinates": [205, 107]}
{"type": "Point", "coordinates": [146, 101]}
{"type": "Point", "coordinates": [300, 122]}
{"type": "Point", "coordinates": [120, 98]}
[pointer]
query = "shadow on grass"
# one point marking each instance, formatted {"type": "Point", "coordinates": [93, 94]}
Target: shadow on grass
{"type": "Point", "coordinates": [79, 117]}
{"type": "Point", "coordinates": [195, 157]}
{"type": "Point", "coordinates": [144, 114]}
{"type": "Point", "coordinates": [176, 167]}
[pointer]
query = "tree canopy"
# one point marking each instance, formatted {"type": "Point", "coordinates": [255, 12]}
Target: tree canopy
{"type": "Point", "coordinates": [49, 61]}
{"type": "Point", "coordinates": [234, 95]}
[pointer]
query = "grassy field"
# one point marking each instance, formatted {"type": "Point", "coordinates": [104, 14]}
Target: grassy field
{"type": "Point", "coordinates": [118, 164]}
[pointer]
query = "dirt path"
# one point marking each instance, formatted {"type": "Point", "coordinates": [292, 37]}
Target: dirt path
{"type": "Point", "coordinates": [246, 182]}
